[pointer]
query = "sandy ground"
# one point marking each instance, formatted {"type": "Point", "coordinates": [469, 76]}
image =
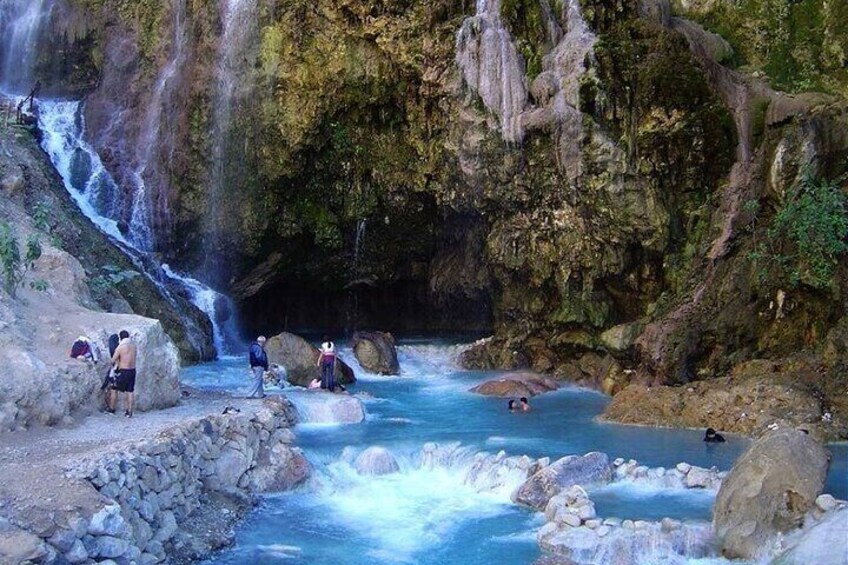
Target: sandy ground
{"type": "Point", "coordinates": [33, 463]}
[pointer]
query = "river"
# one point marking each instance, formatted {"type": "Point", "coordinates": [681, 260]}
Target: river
{"type": "Point", "coordinates": [429, 513]}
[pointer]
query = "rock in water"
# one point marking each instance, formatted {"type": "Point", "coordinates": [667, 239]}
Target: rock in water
{"type": "Point", "coordinates": [517, 385]}
{"type": "Point", "coordinates": [315, 407]}
{"type": "Point", "coordinates": [376, 460]}
{"type": "Point", "coordinates": [571, 470]}
{"type": "Point", "coordinates": [768, 491]}
{"type": "Point", "coordinates": [376, 352]}
{"type": "Point", "coordinates": [300, 358]}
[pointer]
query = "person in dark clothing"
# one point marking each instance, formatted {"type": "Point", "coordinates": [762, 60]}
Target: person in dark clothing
{"type": "Point", "coordinates": [712, 437]}
{"type": "Point", "coordinates": [258, 366]}
{"type": "Point", "coordinates": [327, 362]}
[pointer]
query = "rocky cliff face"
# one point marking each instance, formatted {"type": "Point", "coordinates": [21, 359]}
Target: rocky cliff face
{"type": "Point", "coordinates": [621, 193]}
{"type": "Point", "coordinates": [62, 295]}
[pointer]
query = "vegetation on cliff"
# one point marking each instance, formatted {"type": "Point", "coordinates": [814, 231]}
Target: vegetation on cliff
{"type": "Point", "coordinates": [800, 45]}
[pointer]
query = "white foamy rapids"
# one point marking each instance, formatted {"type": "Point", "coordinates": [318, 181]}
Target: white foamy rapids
{"type": "Point", "coordinates": [492, 68]}
{"type": "Point", "coordinates": [639, 543]}
{"type": "Point", "coordinates": [433, 492]}
{"type": "Point", "coordinates": [682, 476]}
{"type": "Point", "coordinates": [20, 25]}
{"type": "Point", "coordinates": [420, 361]}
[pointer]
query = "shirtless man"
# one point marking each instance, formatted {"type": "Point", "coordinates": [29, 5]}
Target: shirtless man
{"type": "Point", "coordinates": [124, 358]}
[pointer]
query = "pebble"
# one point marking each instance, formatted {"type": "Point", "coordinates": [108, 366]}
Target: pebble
{"type": "Point", "coordinates": [826, 502]}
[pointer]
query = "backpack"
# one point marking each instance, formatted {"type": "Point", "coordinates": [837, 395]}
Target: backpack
{"type": "Point", "coordinates": [114, 340]}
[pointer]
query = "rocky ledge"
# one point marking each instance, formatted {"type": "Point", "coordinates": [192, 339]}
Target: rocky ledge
{"type": "Point", "coordinates": [174, 497]}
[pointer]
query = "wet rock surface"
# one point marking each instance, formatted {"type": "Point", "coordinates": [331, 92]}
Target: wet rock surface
{"type": "Point", "coordinates": [517, 385]}
{"type": "Point", "coordinates": [300, 360]}
{"type": "Point", "coordinates": [376, 352]}
{"type": "Point", "coordinates": [767, 493]}
{"type": "Point", "coordinates": [570, 470]}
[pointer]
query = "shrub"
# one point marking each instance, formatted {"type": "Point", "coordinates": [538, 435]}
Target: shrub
{"type": "Point", "coordinates": [807, 235]}
{"type": "Point", "coordinates": [12, 265]}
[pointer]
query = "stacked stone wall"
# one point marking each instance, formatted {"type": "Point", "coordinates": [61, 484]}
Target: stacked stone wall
{"type": "Point", "coordinates": [151, 489]}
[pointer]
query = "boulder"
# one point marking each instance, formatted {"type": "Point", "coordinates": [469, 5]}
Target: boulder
{"type": "Point", "coordinates": [620, 338]}
{"type": "Point", "coordinates": [321, 407]}
{"type": "Point", "coordinates": [375, 461]}
{"type": "Point", "coordinates": [300, 358]}
{"type": "Point", "coordinates": [278, 468]}
{"type": "Point", "coordinates": [825, 542]}
{"type": "Point", "coordinates": [42, 384]}
{"type": "Point", "coordinates": [376, 352]}
{"type": "Point", "coordinates": [517, 385]}
{"type": "Point", "coordinates": [571, 470]}
{"type": "Point", "coordinates": [768, 491]}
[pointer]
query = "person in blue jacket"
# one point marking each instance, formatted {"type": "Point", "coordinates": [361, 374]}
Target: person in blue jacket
{"type": "Point", "coordinates": [258, 366]}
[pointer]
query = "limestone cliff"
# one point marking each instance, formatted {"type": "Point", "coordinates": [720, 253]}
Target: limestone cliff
{"type": "Point", "coordinates": [619, 192]}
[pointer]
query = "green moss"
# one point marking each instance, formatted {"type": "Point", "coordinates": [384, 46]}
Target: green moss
{"type": "Point", "coordinates": [526, 21]}
{"type": "Point", "coordinates": [801, 45]}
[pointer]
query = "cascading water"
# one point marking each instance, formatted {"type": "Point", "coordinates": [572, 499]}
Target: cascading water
{"type": "Point", "coordinates": [144, 207]}
{"type": "Point", "coordinates": [20, 26]}
{"type": "Point", "coordinates": [90, 184]}
{"type": "Point", "coordinates": [492, 68]}
{"type": "Point", "coordinates": [240, 32]}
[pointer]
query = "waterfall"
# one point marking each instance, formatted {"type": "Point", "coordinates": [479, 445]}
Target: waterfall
{"type": "Point", "coordinates": [20, 26]}
{"type": "Point", "coordinates": [357, 241]}
{"type": "Point", "coordinates": [92, 188]}
{"type": "Point", "coordinates": [492, 68]}
{"type": "Point", "coordinates": [240, 30]}
{"type": "Point", "coordinates": [143, 206]}
{"type": "Point", "coordinates": [210, 302]}
{"type": "Point", "coordinates": [91, 185]}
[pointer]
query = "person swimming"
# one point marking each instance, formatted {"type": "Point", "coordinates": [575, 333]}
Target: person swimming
{"type": "Point", "coordinates": [524, 404]}
{"type": "Point", "coordinates": [711, 436]}
{"type": "Point", "coordinates": [511, 405]}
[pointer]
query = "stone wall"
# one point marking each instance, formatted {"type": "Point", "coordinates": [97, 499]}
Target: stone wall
{"type": "Point", "coordinates": [153, 493]}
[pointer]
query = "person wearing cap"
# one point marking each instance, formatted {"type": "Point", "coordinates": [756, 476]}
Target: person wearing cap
{"type": "Point", "coordinates": [258, 366]}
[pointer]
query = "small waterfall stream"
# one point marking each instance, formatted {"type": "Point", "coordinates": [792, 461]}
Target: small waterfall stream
{"type": "Point", "coordinates": [148, 204]}
{"type": "Point", "coordinates": [20, 26]}
{"type": "Point", "coordinates": [87, 180]}
{"type": "Point", "coordinates": [240, 31]}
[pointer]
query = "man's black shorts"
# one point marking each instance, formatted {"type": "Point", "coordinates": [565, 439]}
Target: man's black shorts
{"type": "Point", "coordinates": [125, 380]}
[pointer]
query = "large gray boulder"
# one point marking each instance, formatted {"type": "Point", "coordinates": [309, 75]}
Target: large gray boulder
{"type": "Point", "coordinates": [322, 407]}
{"type": "Point", "coordinates": [768, 491]}
{"type": "Point", "coordinates": [43, 385]}
{"type": "Point", "coordinates": [300, 358]}
{"type": "Point", "coordinates": [825, 542]}
{"type": "Point", "coordinates": [376, 352]}
{"type": "Point", "coordinates": [571, 470]}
